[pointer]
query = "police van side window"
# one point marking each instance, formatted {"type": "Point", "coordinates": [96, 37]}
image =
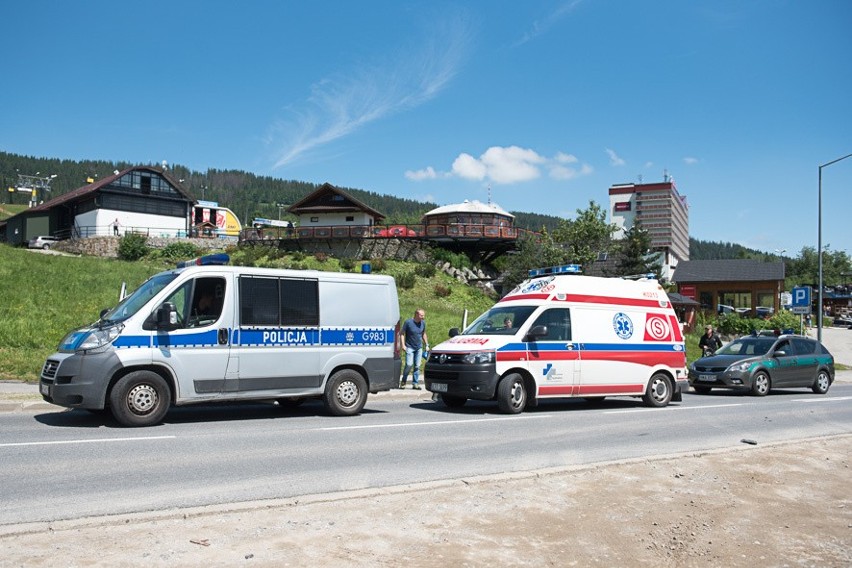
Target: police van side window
{"type": "Point", "coordinates": [299, 302]}
{"type": "Point", "coordinates": [287, 302]}
{"type": "Point", "coordinates": [208, 297]}
{"type": "Point", "coordinates": [558, 322]}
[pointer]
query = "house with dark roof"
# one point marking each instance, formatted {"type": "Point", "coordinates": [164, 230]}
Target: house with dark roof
{"type": "Point", "coordinates": [331, 206]}
{"type": "Point", "coordinates": [740, 285]}
{"type": "Point", "coordinates": [141, 199]}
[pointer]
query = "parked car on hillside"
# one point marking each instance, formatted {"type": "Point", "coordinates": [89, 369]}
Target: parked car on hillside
{"type": "Point", "coordinates": [759, 363]}
{"type": "Point", "coordinates": [42, 242]}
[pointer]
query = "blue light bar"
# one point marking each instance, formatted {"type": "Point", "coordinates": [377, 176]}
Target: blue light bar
{"type": "Point", "coordinates": [561, 269]}
{"type": "Point", "coordinates": [209, 260]}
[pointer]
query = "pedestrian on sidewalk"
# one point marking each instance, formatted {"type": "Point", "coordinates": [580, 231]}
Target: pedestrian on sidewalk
{"type": "Point", "coordinates": [412, 338]}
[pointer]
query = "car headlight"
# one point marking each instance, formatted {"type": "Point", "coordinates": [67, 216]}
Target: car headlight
{"type": "Point", "coordinates": [740, 367]}
{"type": "Point", "coordinates": [482, 357]}
{"type": "Point", "coordinates": [99, 338]}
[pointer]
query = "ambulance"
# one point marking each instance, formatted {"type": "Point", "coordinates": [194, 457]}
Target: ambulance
{"type": "Point", "coordinates": [562, 334]}
{"type": "Point", "coordinates": [208, 332]}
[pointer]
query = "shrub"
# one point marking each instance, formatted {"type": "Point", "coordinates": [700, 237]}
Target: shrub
{"type": "Point", "coordinates": [425, 270]}
{"type": "Point", "coordinates": [442, 291]}
{"type": "Point", "coordinates": [321, 256]}
{"type": "Point", "coordinates": [180, 251]}
{"type": "Point", "coordinates": [406, 280]}
{"type": "Point", "coordinates": [347, 264]}
{"type": "Point", "coordinates": [298, 256]}
{"type": "Point", "coordinates": [132, 246]}
{"type": "Point", "coordinates": [378, 264]}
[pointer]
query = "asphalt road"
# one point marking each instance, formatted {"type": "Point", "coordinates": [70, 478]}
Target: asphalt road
{"type": "Point", "coordinates": [65, 465]}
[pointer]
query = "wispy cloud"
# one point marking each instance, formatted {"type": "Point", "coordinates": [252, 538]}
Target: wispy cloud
{"type": "Point", "coordinates": [504, 165]}
{"type": "Point", "coordinates": [342, 104]}
{"type": "Point", "coordinates": [614, 160]}
{"type": "Point", "coordinates": [690, 161]}
{"type": "Point", "coordinates": [543, 25]}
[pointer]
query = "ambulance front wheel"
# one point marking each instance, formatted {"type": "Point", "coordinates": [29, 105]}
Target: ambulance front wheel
{"type": "Point", "coordinates": [141, 398]}
{"type": "Point", "coordinates": [659, 391]}
{"type": "Point", "coordinates": [512, 394]}
{"type": "Point", "coordinates": [345, 393]}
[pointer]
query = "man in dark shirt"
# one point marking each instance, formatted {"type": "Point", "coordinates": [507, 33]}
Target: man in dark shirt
{"type": "Point", "coordinates": [412, 338]}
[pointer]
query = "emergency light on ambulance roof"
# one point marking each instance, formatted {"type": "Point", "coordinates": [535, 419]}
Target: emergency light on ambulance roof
{"type": "Point", "coordinates": [209, 260]}
{"type": "Point", "coordinates": [561, 269]}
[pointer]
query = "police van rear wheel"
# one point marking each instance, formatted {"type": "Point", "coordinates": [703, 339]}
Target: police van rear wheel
{"type": "Point", "coordinates": [659, 391]}
{"type": "Point", "coordinates": [141, 398]}
{"type": "Point", "coordinates": [512, 394]}
{"type": "Point", "coordinates": [345, 393]}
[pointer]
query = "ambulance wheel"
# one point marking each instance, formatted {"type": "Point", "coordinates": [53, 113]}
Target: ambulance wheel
{"type": "Point", "coordinates": [451, 401]}
{"type": "Point", "coordinates": [141, 398]}
{"type": "Point", "coordinates": [345, 393]}
{"type": "Point", "coordinates": [659, 391]}
{"type": "Point", "coordinates": [512, 394]}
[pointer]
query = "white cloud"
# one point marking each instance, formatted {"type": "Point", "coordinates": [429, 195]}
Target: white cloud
{"type": "Point", "coordinates": [649, 165]}
{"type": "Point", "coordinates": [342, 104]}
{"type": "Point", "coordinates": [542, 26]}
{"type": "Point", "coordinates": [614, 160]}
{"type": "Point", "coordinates": [425, 173]}
{"type": "Point", "coordinates": [468, 167]}
{"type": "Point", "coordinates": [504, 165]}
{"type": "Point", "coordinates": [689, 161]}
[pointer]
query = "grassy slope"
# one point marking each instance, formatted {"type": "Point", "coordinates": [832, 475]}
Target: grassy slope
{"type": "Point", "coordinates": [43, 297]}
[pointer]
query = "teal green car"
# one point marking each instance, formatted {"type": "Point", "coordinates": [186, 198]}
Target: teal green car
{"type": "Point", "coordinates": [759, 364]}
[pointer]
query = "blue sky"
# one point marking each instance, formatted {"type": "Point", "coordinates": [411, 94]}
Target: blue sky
{"type": "Point", "coordinates": [541, 104]}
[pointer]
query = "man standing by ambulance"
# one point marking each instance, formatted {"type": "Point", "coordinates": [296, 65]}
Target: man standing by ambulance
{"type": "Point", "coordinates": [412, 338]}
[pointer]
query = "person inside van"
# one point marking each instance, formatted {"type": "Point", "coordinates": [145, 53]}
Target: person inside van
{"type": "Point", "coordinates": [206, 306]}
{"type": "Point", "coordinates": [507, 323]}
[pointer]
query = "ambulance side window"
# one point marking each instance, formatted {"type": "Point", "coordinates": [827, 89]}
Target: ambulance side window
{"type": "Point", "coordinates": [558, 322]}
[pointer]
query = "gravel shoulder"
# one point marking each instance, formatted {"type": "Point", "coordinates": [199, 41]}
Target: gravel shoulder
{"type": "Point", "coordinates": [775, 505]}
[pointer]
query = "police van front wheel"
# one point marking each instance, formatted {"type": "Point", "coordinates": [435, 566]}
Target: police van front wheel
{"type": "Point", "coordinates": [512, 394]}
{"type": "Point", "coordinates": [659, 391]}
{"type": "Point", "coordinates": [141, 398]}
{"type": "Point", "coordinates": [345, 393]}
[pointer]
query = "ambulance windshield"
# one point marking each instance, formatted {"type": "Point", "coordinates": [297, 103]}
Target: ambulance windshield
{"type": "Point", "coordinates": [500, 320]}
{"type": "Point", "coordinates": [134, 302]}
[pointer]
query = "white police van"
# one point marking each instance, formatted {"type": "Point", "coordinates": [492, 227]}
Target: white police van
{"type": "Point", "coordinates": [207, 332]}
{"type": "Point", "coordinates": [560, 334]}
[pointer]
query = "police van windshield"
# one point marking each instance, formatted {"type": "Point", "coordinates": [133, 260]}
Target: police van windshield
{"type": "Point", "coordinates": [500, 320]}
{"type": "Point", "coordinates": [141, 296]}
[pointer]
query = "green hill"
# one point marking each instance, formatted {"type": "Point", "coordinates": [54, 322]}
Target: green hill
{"type": "Point", "coordinates": [45, 296]}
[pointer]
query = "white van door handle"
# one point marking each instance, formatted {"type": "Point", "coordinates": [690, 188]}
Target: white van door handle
{"type": "Point", "coordinates": [223, 336]}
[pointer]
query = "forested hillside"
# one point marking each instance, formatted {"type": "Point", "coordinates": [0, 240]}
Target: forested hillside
{"type": "Point", "coordinates": [709, 250]}
{"type": "Point", "coordinates": [246, 194]}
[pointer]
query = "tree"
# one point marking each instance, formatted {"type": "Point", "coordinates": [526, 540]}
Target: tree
{"type": "Point", "coordinates": [586, 236]}
{"type": "Point", "coordinates": [635, 255]}
{"type": "Point", "coordinates": [804, 270]}
{"type": "Point", "coordinates": [531, 253]}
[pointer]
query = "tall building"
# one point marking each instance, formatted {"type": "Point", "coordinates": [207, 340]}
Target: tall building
{"type": "Point", "coordinates": [660, 210]}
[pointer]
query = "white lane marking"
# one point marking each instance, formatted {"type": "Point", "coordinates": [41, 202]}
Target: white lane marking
{"type": "Point", "coordinates": [434, 422]}
{"type": "Point", "coordinates": [95, 441]}
{"type": "Point", "coordinates": [832, 399]}
{"type": "Point", "coordinates": [673, 408]}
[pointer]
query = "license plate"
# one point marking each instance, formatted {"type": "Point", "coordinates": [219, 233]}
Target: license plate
{"type": "Point", "coordinates": [439, 387]}
{"type": "Point", "coordinates": [44, 389]}
{"type": "Point", "coordinates": [706, 377]}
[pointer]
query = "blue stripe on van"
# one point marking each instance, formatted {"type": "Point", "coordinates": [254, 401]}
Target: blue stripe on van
{"type": "Point", "coordinates": [264, 338]}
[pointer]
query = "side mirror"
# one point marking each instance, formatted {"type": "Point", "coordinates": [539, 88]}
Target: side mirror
{"type": "Point", "coordinates": [103, 313]}
{"type": "Point", "coordinates": [454, 331]}
{"type": "Point", "coordinates": [167, 316]}
{"type": "Point", "coordinates": [536, 332]}
{"type": "Point", "coordinates": [780, 353]}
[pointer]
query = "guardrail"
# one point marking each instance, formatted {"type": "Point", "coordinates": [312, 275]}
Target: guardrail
{"type": "Point", "coordinates": [425, 232]}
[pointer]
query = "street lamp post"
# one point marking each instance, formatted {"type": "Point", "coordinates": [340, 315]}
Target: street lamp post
{"type": "Point", "coordinates": [819, 246]}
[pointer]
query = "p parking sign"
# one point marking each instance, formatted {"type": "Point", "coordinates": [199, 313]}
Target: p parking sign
{"type": "Point", "coordinates": [801, 303]}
